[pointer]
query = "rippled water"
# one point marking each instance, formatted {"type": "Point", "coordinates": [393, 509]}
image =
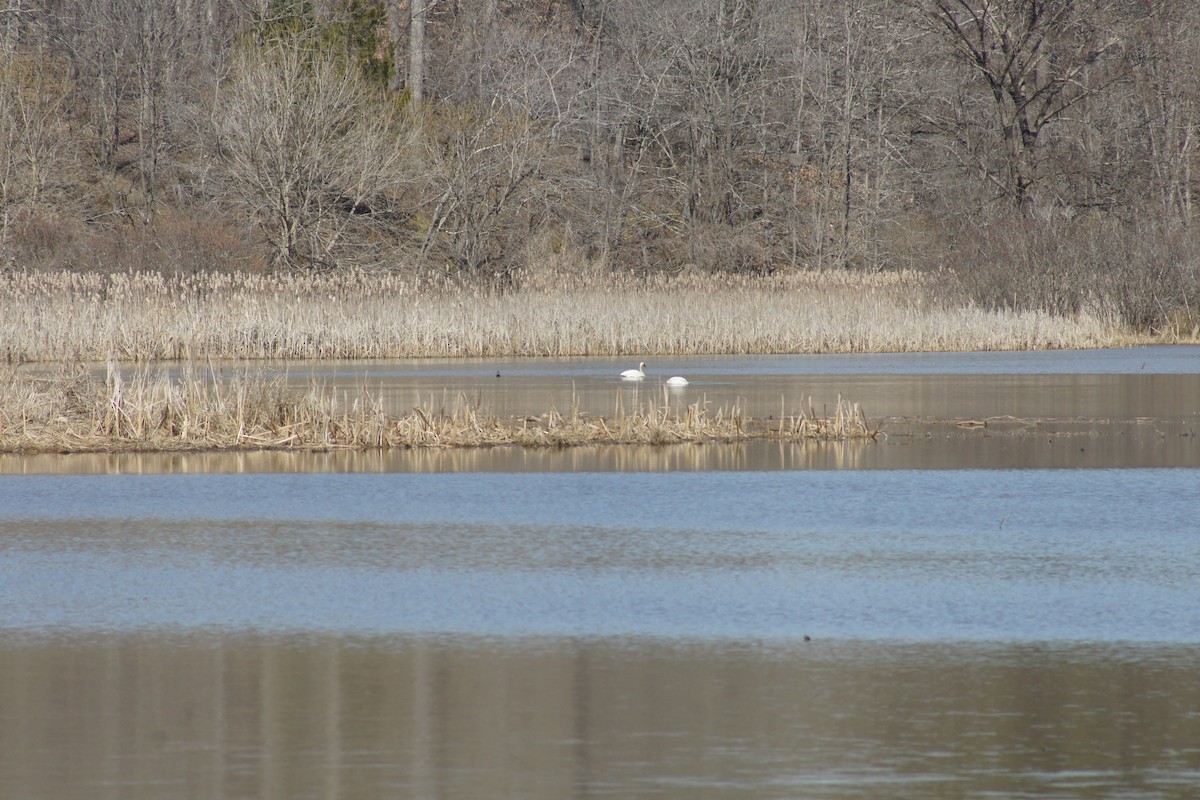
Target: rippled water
{"type": "Point", "coordinates": [751, 621]}
{"type": "Point", "coordinates": [319, 716]}
{"type": "Point", "coordinates": [624, 634]}
{"type": "Point", "coordinates": [1024, 554]}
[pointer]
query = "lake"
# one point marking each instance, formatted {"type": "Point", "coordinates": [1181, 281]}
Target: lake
{"type": "Point", "coordinates": [1006, 611]}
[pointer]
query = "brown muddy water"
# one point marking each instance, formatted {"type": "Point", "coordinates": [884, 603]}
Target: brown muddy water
{"type": "Point", "coordinates": [1134, 407]}
{"type": "Point", "coordinates": [323, 716]}
{"type": "Point", "coordinates": [1149, 382]}
{"type": "Point", "coordinates": [980, 604]}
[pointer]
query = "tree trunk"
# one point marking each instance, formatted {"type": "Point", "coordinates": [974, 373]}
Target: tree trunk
{"type": "Point", "coordinates": [394, 14]}
{"type": "Point", "coordinates": [12, 28]}
{"type": "Point", "coordinates": [416, 52]}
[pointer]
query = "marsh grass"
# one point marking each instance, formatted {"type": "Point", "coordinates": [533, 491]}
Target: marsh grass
{"type": "Point", "coordinates": [148, 409]}
{"type": "Point", "coordinates": [147, 316]}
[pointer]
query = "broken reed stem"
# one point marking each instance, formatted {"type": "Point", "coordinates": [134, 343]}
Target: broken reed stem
{"type": "Point", "coordinates": [149, 409]}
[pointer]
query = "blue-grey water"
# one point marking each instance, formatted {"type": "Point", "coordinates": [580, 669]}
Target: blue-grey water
{"type": "Point", "coordinates": [1021, 555]}
{"type": "Point", "coordinates": [995, 616]}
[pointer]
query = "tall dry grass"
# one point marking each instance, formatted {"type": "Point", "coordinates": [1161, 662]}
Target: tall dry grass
{"type": "Point", "coordinates": [147, 409]}
{"type": "Point", "coordinates": [63, 316]}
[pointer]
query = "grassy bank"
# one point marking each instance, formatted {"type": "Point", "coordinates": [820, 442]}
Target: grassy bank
{"type": "Point", "coordinates": [145, 409]}
{"type": "Point", "coordinates": [65, 316]}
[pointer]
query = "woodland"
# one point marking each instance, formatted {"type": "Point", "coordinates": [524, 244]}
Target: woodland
{"type": "Point", "coordinates": [1022, 154]}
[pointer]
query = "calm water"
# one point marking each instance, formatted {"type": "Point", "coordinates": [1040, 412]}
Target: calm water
{"type": "Point", "coordinates": [749, 621]}
{"type": "Point", "coordinates": [1161, 382]}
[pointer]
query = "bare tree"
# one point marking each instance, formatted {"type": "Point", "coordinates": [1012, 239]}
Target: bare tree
{"type": "Point", "coordinates": [158, 52]}
{"type": "Point", "coordinates": [849, 93]}
{"type": "Point", "coordinates": [309, 149]}
{"type": "Point", "coordinates": [417, 50]}
{"type": "Point", "coordinates": [139, 69]}
{"type": "Point", "coordinates": [625, 92]}
{"type": "Point", "coordinates": [11, 17]}
{"type": "Point", "coordinates": [396, 21]}
{"type": "Point", "coordinates": [677, 94]}
{"type": "Point", "coordinates": [33, 141]}
{"type": "Point", "coordinates": [486, 164]}
{"type": "Point", "coordinates": [99, 41]}
{"type": "Point", "coordinates": [407, 25]}
{"type": "Point", "coordinates": [1160, 114]}
{"type": "Point", "coordinates": [1037, 60]}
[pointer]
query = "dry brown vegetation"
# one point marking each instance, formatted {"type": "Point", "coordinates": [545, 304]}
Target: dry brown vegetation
{"type": "Point", "coordinates": [65, 316]}
{"type": "Point", "coordinates": [1027, 156]}
{"type": "Point", "coordinates": [146, 409]}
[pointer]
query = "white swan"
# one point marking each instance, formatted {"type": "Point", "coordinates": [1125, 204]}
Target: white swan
{"type": "Point", "coordinates": [635, 374]}
{"type": "Point", "coordinates": [677, 381]}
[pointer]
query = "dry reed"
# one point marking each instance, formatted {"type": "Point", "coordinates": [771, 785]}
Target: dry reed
{"type": "Point", "coordinates": [64, 316]}
{"type": "Point", "coordinates": [147, 409]}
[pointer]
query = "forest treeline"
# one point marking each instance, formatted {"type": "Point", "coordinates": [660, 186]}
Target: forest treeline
{"type": "Point", "coordinates": [1032, 153]}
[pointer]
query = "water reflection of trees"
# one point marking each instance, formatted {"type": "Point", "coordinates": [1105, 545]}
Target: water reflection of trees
{"type": "Point", "coordinates": [714, 456]}
{"type": "Point", "coordinates": [324, 715]}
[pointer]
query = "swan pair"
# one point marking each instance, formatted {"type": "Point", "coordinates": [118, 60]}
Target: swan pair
{"type": "Point", "coordinates": [640, 373]}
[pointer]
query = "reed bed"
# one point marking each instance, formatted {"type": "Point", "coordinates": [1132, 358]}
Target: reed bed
{"type": "Point", "coordinates": [68, 316]}
{"type": "Point", "coordinates": [147, 409]}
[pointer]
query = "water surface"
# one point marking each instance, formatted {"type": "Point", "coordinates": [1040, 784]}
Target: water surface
{"type": "Point", "coordinates": [319, 716]}
{"type": "Point", "coordinates": [954, 614]}
{"type": "Point", "coordinates": [1160, 382]}
{"type": "Point", "coordinates": [1095, 555]}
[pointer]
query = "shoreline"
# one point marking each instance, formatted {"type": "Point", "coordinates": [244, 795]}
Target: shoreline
{"type": "Point", "coordinates": [148, 409]}
{"type": "Point", "coordinates": [900, 443]}
{"type": "Point", "coordinates": [167, 409]}
{"type": "Point", "coordinates": [553, 431]}
{"type": "Point", "coordinates": [465, 430]}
